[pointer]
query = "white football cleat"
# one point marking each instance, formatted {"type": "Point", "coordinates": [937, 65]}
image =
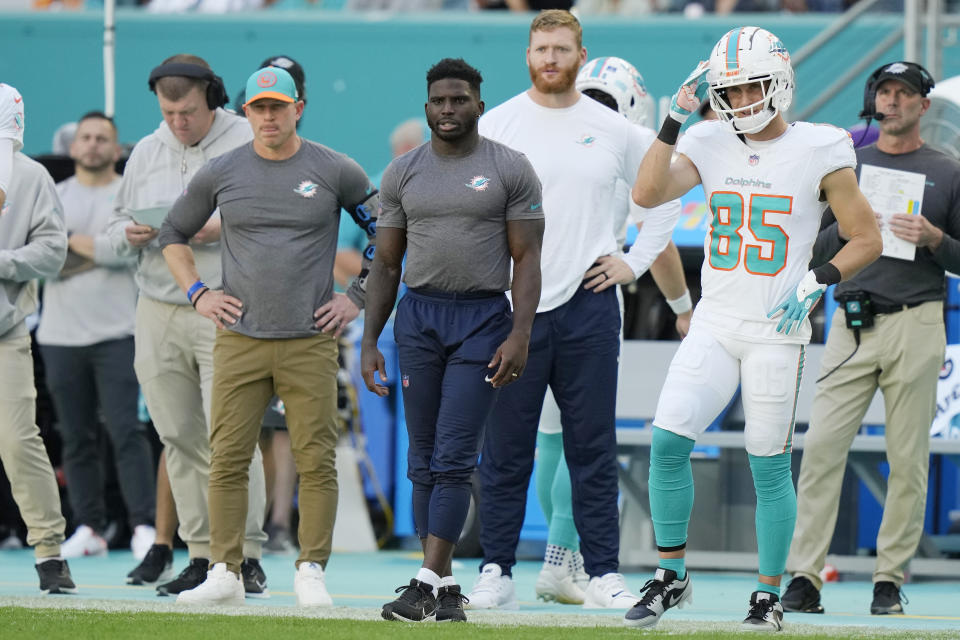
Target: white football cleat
{"type": "Point", "coordinates": [659, 594]}
{"type": "Point", "coordinates": [558, 582]}
{"type": "Point", "coordinates": [765, 614]}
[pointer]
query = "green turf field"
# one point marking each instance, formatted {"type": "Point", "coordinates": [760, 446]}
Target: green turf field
{"type": "Point", "coordinates": [49, 624]}
{"type": "Point", "coordinates": [106, 607]}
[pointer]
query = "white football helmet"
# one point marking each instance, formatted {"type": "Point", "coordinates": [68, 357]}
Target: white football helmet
{"type": "Point", "coordinates": [619, 79]}
{"type": "Point", "coordinates": [744, 55]}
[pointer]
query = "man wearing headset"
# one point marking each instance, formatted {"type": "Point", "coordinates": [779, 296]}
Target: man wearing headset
{"type": "Point", "coordinates": [174, 344]}
{"type": "Point", "coordinates": [901, 353]}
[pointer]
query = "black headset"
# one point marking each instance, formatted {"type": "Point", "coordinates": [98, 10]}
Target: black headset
{"type": "Point", "coordinates": [216, 91]}
{"type": "Point", "coordinates": [870, 90]}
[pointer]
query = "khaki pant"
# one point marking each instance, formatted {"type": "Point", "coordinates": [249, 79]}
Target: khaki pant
{"type": "Point", "coordinates": [247, 373]}
{"type": "Point", "coordinates": [22, 451]}
{"type": "Point", "coordinates": [174, 364]}
{"type": "Point", "coordinates": [901, 355]}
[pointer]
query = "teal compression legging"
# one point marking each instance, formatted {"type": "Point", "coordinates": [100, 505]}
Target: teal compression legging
{"type": "Point", "coordinates": [553, 491]}
{"type": "Point", "coordinates": [672, 493]}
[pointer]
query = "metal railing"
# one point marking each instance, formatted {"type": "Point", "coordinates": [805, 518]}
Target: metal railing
{"type": "Point", "coordinates": [919, 20]}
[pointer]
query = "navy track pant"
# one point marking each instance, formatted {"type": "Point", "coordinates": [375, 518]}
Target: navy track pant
{"type": "Point", "coordinates": [444, 343]}
{"type": "Point", "coordinates": [574, 349]}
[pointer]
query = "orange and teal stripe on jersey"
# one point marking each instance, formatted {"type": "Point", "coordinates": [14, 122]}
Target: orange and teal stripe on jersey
{"type": "Point", "coordinates": [788, 445]}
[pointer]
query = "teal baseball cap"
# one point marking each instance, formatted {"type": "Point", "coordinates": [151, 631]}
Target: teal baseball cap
{"type": "Point", "coordinates": [271, 82]}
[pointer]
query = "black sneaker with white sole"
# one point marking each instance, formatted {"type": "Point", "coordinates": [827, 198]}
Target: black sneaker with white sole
{"type": "Point", "coordinates": [155, 567]}
{"type": "Point", "coordinates": [801, 597]}
{"type": "Point", "coordinates": [887, 599]}
{"type": "Point", "coordinates": [415, 604]}
{"type": "Point", "coordinates": [663, 592]}
{"type": "Point", "coordinates": [190, 578]}
{"type": "Point", "coordinates": [765, 614]}
{"type": "Point", "coordinates": [450, 603]}
{"type": "Point", "coordinates": [55, 577]}
{"type": "Point", "coordinates": [254, 579]}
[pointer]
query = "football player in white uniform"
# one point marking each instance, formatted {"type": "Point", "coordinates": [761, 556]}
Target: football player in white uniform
{"type": "Point", "coordinates": [616, 84]}
{"type": "Point", "coordinates": [767, 183]}
{"type": "Point", "coordinates": [11, 135]}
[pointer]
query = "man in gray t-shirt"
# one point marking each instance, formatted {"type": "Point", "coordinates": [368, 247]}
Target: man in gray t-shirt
{"type": "Point", "coordinates": [278, 319]}
{"type": "Point", "coordinates": [461, 206]}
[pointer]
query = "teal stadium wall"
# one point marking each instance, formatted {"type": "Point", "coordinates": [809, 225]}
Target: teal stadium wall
{"type": "Point", "coordinates": [365, 72]}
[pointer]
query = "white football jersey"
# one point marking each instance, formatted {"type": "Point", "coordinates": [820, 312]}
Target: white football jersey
{"type": "Point", "coordinates": [11, 116]}
{"type": "Point", "coordinates": [764, 199]}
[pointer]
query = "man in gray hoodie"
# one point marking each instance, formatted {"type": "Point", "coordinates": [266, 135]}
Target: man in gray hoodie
{"type": "Point", "coordinates": [174, 344]}
{"type": "Point", "coordinates": [11, 134]}
{"type": "Point", "coordinates": [33, 244]}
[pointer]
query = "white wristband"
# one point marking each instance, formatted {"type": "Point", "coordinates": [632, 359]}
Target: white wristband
{"type": "Point", "coordinates": [681, 304]}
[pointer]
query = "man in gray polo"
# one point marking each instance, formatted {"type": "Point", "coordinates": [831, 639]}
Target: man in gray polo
{"type": "Point", "coordinates": [277, 317]}
{"type": "Point", "coordinates": [174, 346]}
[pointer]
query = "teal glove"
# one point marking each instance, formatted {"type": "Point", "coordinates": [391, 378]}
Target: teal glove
{"type": "Point", "coordinates": [690, 94]}
{"type": "Point", "coordinates": [797, 305]}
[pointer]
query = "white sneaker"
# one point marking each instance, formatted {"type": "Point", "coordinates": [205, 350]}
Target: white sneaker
{"type": "Point", "coordinates": [222, 586]}
{"type": "Point", "coordinates": [83, 542]}
{"type": "Point", "coordinates": [142, 539]}
{"type": "Point", "coordinates": [557, 583]}
{"type": "Point", "coordinates": [608, 591]}
{"type": "Point", "coordinates": [310, 586]}
{"type": "Point", "coordinates": [492, 590]}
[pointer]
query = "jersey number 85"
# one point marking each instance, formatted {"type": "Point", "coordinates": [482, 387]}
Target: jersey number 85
{"type": "Point", "coordinates": [765, 252]}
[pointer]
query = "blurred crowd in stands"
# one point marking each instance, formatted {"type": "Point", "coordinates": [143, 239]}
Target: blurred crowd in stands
{"type": "Point", "coordinates": [690, 8]}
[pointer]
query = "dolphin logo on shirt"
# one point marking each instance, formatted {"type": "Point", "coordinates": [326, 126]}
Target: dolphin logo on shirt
{"type": "Point", "coordinates": [479, 183]}
{"type": "Point", "coordinates": [306, 189]}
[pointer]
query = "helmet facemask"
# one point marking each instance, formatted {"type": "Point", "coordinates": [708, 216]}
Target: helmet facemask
{"type": "Point", "coordinates": [760, 112]}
